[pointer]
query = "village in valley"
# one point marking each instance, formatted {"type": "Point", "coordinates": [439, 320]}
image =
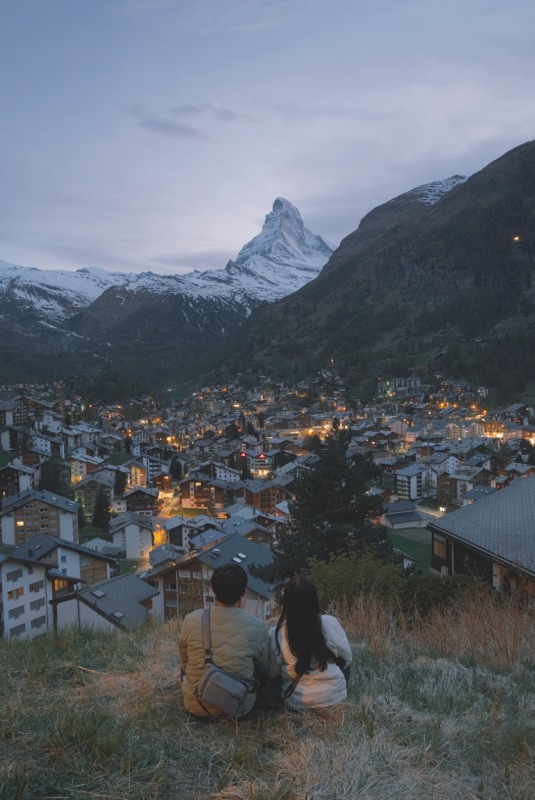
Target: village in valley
{"type": "Point", "coordinates": [116, 514]}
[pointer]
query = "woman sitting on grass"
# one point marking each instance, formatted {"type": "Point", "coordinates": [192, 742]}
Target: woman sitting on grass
{"type": "Point", "coordinates": [309, 652]}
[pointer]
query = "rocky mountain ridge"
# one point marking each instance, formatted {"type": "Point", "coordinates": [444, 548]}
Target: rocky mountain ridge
{"type": "Point", "coordinates": [433, 281]}
{"type": "Point", "coordinates": [126, 319]}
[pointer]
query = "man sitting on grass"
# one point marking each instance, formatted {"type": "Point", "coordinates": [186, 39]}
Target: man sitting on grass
{"type": "Point", "coordinates": [239, 641]}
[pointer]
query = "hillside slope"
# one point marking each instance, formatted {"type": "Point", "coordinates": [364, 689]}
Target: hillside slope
{"type": "Point", "coordinates": [444, 712]}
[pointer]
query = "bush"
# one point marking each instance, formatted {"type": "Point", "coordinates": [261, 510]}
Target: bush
{"type": "Point", "coordinates": [345, 577]}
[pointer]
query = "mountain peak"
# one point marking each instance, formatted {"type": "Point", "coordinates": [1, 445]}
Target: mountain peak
{"type": "Point", "coordinates": [285, 240]}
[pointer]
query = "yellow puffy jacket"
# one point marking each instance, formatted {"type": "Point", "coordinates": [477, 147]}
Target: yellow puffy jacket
{"type": "Point", "coordinates": [239, 645]}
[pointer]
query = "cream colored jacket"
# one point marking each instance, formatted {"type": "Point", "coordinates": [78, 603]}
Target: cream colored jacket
{"type": "Point", "coordinates": [239, 645]}
{"type": "Point", "coordinates": [315, 689]}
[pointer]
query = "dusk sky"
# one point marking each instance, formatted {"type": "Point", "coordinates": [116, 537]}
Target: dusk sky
{"type": "Point", "coordinates": [155, 134]}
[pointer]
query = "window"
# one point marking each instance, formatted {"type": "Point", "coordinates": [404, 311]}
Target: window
{"type": "Point", "coordinates": [439, 547]}
{"type": "Point", "coordinates": [38, 622]}
{"type": "Point", "coordinates": [15, 613]}
{"type": "Point", "coordinates": [14, 593]}
{"type": "Point", "coordinates": [14, 575]}
{"type": "Point", "coordinates": [171, 587]}
{"type": "Point", "coordinates": [35, 605]}
{"type": "Point", "coordinates": [37, 586]}
{"type": "Point", "coordinates": [17, 631]}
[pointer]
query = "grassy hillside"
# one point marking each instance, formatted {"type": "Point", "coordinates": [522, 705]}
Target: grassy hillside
{"type": "Point", "coordinates": [441, 710]}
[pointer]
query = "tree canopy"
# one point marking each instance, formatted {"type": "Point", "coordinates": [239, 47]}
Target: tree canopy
{"type": "Point", "coordinates": [332, 511]}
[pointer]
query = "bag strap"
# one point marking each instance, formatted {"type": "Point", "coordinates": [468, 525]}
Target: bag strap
{"type": "Point", "coordinates": [206, 637]}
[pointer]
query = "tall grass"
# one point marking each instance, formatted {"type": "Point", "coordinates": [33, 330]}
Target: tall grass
{"type": "Point", "coordinates": [441, 708]}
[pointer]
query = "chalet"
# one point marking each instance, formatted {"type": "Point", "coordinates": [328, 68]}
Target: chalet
{"type": "Point", "coordinates": [16, 478]}
{"type": "Point", "coordinates": [48, 444]}
{"type": "Point", "coordinates": [451, 489]}
{"type": "Point", "coordinates": [200, 491]}
{"type": "Point", "coordinates": [7, 413]}
{"type": "Point", "coordinates": [26, 588]}
{"type": "Point", "coordinates": [29, 513]}
{"type": "Point", "coordinates": [82, 465]}
{"type": "Point", "coordinates": [180, 531]}
{"type": "Point", "coordinates": [220, 472]}
{"type": "Point", "coordinates": [264, 495]}
{"type": "Point", "coordinates": [411, 482]}
{"type": "Point", "coordinates": [519, 470]}
{"type": "Point", "coordinates": [249, 529]}
{"type": "Point", "coordinates": [184, 584]}
{"type": "Point", "coordinates": [121, 603]}
{"type": "Point", "coordinates": [492, 539]}
{"type": "Point", "coordinates": [141, 500]}
{"type": "Point", "coordinates": [70, 559]}
{"type": "Point", "coordinates": [37, 574]}
{"type": "Point", "coordinates": [133, 534]}
{"type": "Point", "coordinates": [403, 514]}
{"type": "Point", "coordinates": [88, 490]}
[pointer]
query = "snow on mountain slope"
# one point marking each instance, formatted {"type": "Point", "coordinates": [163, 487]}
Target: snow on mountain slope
{"type": "Point", "coordinates": [431, 193]}
{"type": "Point", "coordinates": [52, 295]}
{"type": "Point", "coordinates": [281, 259]}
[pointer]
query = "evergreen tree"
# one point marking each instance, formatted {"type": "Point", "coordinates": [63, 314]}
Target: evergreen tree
{"type": "Point", "coordinates": [101, 514]}
{"type": "Point", "coordinates": [56, 477]}
{"type": "Point", "coordinates": [332, 512]}
{"type": "Point", "coordinates": [120, 483]}
{"type": "Point", "coordinates": [175, 469]}
{"type": "Point", "coordinates": [81, 517]}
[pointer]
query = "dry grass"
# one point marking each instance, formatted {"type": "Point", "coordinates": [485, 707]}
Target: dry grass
{"type": "Point", "coordinates": [443, 710]}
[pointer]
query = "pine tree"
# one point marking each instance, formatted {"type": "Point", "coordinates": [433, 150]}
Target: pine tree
{"type": "Point", "coordinates": [332, 512]}
{"type": "Point", "coordinates": [101, 514]}
{"type": "Point", "coordinates": [56, 477]}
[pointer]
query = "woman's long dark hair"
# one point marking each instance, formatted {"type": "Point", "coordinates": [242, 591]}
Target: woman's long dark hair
{"type": "Point", "coordinates": [301, 612]}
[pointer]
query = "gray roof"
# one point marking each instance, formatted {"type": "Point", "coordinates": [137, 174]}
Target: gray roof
{"type": "Point", "coordinates": [503, 526]}
{"type": "Point", "coordinates": [233, 547]}
{"type": "Point", "coordinates": [128, 518]}
{"type": "Point", "coordinates": [400, 507]}
{"type": "Point", "coordinates": [42, 543]}
{"type": "Point", "coordinates": [19, 500]}
{"type": "Point", "coordinates": [119, 600]}
{"type": "Point", "coordinates": [242, 551]}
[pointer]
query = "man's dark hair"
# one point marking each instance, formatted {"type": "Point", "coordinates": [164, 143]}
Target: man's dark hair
{"type": "Point", "coordinates": [228, 583]}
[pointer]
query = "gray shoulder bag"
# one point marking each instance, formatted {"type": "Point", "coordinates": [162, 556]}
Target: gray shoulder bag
{"type": "Point", "coordinates": [217, 687]}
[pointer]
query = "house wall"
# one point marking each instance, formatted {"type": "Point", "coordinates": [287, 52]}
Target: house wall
{"type": "Point", "coordinates": [36, 517]}
{"type": "Point", "coordinates": [67, 614]}
{"type": "Point", "coordinates": [93, 570]}
{"type": "Point", "coordinates": [90, 619]}
{"type": "Point", "coordinates": [25, 592]}
{"type": "Point", "coordinates": [136, 542]}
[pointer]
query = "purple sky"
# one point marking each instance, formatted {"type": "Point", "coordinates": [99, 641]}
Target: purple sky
{"type": "Point", "coordinates": [156, 134]}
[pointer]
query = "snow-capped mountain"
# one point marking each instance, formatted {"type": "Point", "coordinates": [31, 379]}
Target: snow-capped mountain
{"type": "Point", "coordinates": [281, 259]}
{"type": "Point", "coordinates": [94, 320]}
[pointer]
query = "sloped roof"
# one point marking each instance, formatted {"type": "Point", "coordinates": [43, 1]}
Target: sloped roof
{"type": "Point", "coordinates": [119, 599]}
{"type": "Point", "coordinates": [9, 504]}
{"type": "Point", "coordinates": [128, 518]}
{"type": "Point", "coordinates": [502, 526]}
{"type": "Point", "coordinates": [233, 547]}
{"type": "Point", "coordinates": [42, 543]}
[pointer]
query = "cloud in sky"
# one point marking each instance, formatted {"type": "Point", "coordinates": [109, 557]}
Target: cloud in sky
{"type": "Point", "coordinates": [337, 106]}
{"type": "Point", "coordinates": [165, 125]}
